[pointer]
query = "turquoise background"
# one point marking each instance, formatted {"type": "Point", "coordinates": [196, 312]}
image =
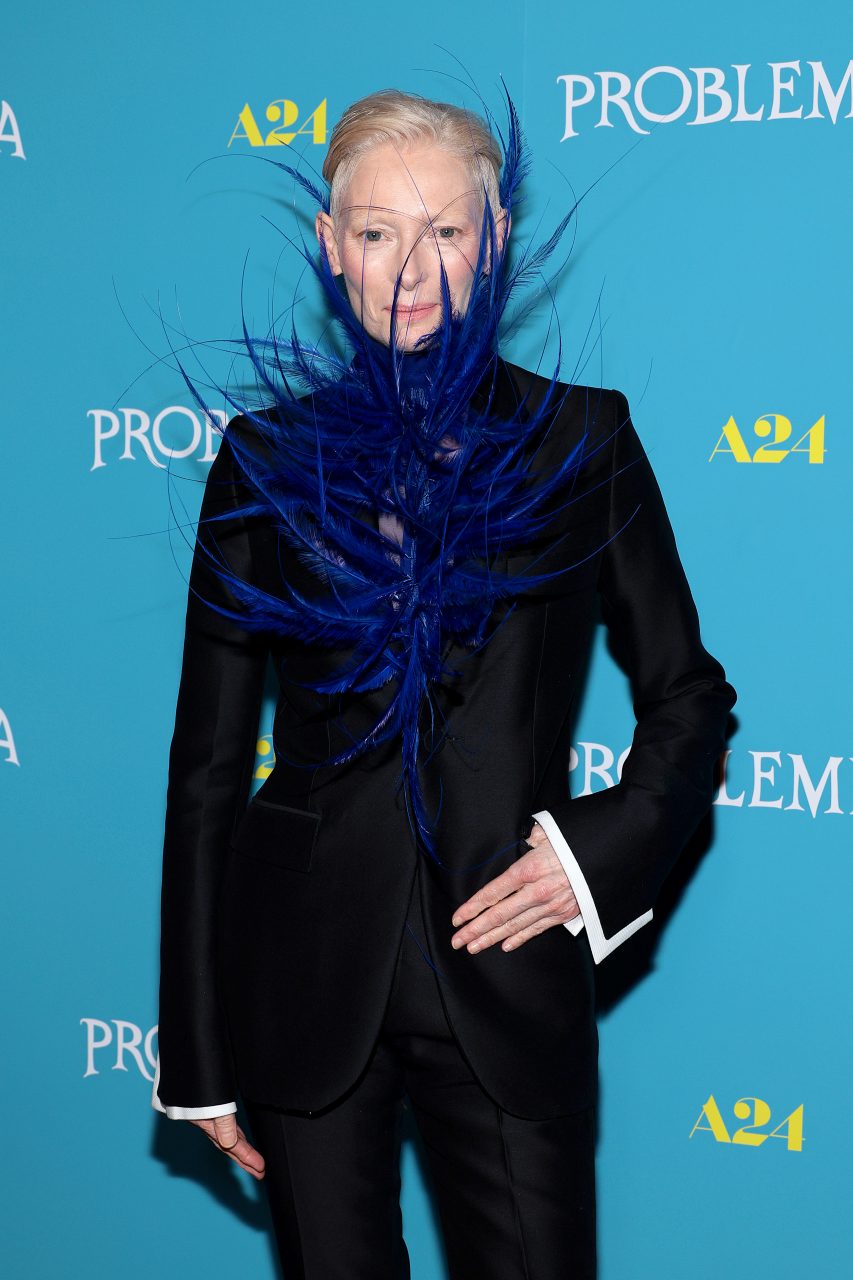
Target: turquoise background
{"type": "Point", "coordinates": [712, 268]}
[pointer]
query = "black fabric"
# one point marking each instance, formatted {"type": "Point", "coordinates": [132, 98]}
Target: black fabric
{"type": "Point", "coordinates": [515, 1198]}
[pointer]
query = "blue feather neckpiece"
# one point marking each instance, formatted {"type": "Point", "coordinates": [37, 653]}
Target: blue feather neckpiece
{"type": "Point", "coordinates": [407, 441]}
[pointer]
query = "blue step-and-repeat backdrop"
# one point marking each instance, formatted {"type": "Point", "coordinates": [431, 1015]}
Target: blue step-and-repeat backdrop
{"type": "Point", "coordinates": [710, 280]}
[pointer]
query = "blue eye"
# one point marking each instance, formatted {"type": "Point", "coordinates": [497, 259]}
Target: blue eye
{"type": "Point", "coordinates": [372, 232]}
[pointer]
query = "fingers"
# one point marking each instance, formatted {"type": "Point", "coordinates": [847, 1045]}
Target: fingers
{"type": "Point", "coordinates": [248, 1158]}
{"type": "Point", "coordinates": [520, 916]}
{"type": "Point", "coordinates": [525, 928]}
{"type": "Point", "coordinates": [507, 882]}
{"type": "Point", "coordinates": [225, 1129]}
{"type": "Point", "coordinates": [229, 1138]}
{"type": "Point", "coordinates": [532, 895]}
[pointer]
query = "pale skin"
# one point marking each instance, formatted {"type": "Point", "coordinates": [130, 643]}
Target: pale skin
{"type": "Point", "coordinates": [405, 211]}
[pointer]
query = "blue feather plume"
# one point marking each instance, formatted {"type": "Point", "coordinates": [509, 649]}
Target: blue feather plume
{"type": "Point", "coordinates": [411, 434]}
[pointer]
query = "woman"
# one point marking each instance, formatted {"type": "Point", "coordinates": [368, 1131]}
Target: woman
{"type": "Point", "coordinates": [412, 906]}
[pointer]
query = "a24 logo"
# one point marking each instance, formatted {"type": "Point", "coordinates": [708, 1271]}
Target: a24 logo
{"type": "Point", "coordinates": [283, 114]}
{"type": "Point", "coordinates": [811, 442]}
{"type": "Point", "coordinates": [749, 1135]}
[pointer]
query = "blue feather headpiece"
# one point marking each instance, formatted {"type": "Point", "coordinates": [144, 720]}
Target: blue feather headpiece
{"type": "Point", "coordinates": [410, 437]}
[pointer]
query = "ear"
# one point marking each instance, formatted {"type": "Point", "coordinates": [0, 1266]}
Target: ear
{"type": "Point", "coordinates": [325, 229]}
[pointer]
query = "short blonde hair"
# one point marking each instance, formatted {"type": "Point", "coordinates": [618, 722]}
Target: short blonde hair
{"type": "Point", "coordinates": [390, 115]}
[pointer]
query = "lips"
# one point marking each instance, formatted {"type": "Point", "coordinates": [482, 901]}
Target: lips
{"type": "Point", "coordinates": [421, 309]}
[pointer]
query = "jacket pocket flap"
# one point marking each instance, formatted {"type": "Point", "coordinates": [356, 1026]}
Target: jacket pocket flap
{"type": "Point", "coordinates": [277, 833]}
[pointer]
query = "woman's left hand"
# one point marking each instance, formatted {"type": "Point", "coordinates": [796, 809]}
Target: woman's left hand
{"type": "Point", "coordinates": [532, 895]}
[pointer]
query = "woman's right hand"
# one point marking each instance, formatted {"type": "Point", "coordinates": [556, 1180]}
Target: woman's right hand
{"type": "Point", "coordinates": [225, 1133]}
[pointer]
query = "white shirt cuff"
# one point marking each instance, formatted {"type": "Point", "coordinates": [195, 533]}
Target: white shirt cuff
{"type": "Point", "coordinates": [188, 1113]}
{"type": "Point", "coordinates": [599, 945]}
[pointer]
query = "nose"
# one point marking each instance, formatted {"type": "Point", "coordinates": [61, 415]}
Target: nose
{"type": "Point", "coordinates": [414, 268]}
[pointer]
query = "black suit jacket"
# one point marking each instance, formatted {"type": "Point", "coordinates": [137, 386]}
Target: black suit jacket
{"type": "Point", "coordinates": [282, 917]}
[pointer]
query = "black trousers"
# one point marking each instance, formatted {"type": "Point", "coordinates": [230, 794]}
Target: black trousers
{"type": "Point", "coordinates": [515, 1197]}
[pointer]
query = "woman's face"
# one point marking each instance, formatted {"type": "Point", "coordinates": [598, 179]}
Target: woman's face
{"type": "Point", "coordinates": [405, 211]}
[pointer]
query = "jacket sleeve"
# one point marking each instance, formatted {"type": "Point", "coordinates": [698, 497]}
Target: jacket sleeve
{"type": "Point", "coordinates": [618, 845]}
{"type": "Point", "coordinates": [210, 768]}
